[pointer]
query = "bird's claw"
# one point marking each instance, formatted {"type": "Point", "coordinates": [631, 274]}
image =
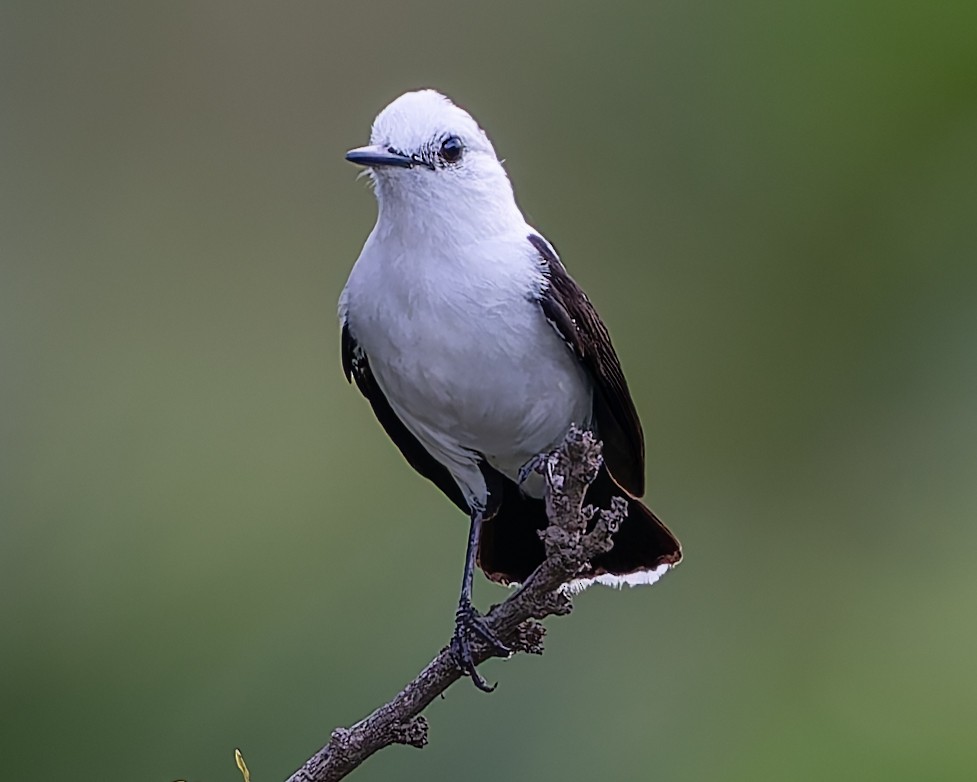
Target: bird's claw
{"type": "Point", "coordinates": [469, 623]}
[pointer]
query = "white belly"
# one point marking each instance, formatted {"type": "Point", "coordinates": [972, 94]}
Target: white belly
{"type": "Point", "coordinates": [472, 372]}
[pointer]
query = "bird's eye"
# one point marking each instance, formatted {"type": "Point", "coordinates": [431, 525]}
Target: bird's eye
{"type": "Point", "coordinates": [451, 149]}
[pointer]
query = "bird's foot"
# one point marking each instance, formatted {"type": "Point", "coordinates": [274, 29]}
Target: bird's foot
{"type": "Point", "coordinates": [536, 464]}
{"type": "Point", "coordinates": [470, 624]}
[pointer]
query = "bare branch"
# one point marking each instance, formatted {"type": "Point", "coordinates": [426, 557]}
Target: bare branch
{"type": "Point", "coordinates": [568, 472]}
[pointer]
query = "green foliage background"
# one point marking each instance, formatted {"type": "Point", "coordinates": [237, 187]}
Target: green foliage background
{"type": "Point", "coordinates": [207, 542]}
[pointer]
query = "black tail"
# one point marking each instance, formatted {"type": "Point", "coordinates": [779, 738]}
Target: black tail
{"type": "Point", "coordinates": [509, 548]}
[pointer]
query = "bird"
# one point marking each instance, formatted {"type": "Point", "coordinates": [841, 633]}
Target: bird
{"type": "Point", "coordinates": [477, 352]}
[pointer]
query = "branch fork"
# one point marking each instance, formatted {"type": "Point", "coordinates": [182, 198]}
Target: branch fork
{"type": "Point", "coordinates": [568, 472]}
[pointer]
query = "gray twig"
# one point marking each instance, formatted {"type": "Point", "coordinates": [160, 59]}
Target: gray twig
{"type": "Point", "coordinates": [568, 472]}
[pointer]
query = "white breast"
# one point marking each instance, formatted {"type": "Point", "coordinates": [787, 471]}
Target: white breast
{"type": "Point", "coordinates": [463, 352]}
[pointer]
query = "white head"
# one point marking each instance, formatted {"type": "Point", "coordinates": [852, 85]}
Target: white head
{"type": "Point", "coordinates": [434, 168]}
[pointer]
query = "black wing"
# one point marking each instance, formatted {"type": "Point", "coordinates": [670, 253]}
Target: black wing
{"type": "Point", "coordinates": [567, 307]}
{"type": "Point", "coordinates": [357, 367]}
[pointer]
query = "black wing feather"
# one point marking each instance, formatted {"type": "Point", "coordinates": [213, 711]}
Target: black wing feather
{"type": "Point", "coordinates": [357, 367]}
{"type": "Point", "coordinates": [567, 307]}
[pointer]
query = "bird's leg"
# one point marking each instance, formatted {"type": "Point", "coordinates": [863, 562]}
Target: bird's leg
{"type": "Point", "coordinates": [468, 621]}
{"type": "Point", "coordinates": [535, 464]}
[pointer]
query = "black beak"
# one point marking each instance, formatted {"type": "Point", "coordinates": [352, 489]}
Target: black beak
{"type": "Point", "coordinates": [376, 156]}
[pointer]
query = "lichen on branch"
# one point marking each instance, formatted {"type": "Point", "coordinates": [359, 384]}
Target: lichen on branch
{"type": "Point", "coordinates": [568, 472]}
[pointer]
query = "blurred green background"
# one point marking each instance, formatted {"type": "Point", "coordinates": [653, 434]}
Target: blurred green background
{"type": "Point", "coordinates": [206, 541]}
